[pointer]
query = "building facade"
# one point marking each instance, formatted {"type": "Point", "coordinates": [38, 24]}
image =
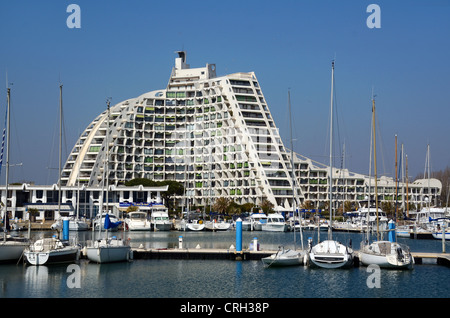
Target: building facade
{"type": "Point", "coordinates": [75, 200]}
{"type": "Point", "coordinates": [216, 136]}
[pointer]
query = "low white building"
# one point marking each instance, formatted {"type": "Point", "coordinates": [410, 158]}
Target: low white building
{"type": "Point", "coordinates": [83, 200]}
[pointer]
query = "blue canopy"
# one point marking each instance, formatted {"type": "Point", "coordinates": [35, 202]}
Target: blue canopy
{"type": "Point", "coordinates": [109, 224]}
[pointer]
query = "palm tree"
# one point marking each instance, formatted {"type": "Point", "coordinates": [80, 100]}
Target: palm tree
{"type": "Point", "coordinates": [221, 205]}
{"type": "Point", "coordinates": [267, 206]}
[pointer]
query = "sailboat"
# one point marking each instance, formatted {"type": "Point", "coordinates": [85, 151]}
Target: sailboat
{"type": "Point", "coordinates": [288, 257]}
{"type": "Point", "coordinates": [11, 248]}
{"type": "Point", "coordinates": [52, 250]}
{"type": "Point", "coordinates": [330, 253]}
{"type": "Point", "coordinates": [108, 250]}
{"type": "Point", "coordinates": [385, 254]}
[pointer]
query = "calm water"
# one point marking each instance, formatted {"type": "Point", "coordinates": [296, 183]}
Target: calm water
{"type": "Point", "coordinates": [219, 278]}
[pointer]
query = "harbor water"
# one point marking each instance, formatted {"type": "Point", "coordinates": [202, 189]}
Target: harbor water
{"type": "Point", "coordinates": [180, 278]}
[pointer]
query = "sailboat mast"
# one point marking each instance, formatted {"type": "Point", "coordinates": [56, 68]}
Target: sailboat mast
{"type": "Point", "coordinates": [330, 187]}
{"type": "Point", "coordinates": [7, 157]}
{"type": "Point", "coordinates": [375, 164]}
{"type": "Point", "coordinates": [60, 147]}
{"type": "Point", "coordinates": [407, 191]}
{"type": "Point", "coordinates": [396, 180]}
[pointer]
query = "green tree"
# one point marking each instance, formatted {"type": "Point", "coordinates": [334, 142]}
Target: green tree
{"type": "Point", "coordinates": [267, 206]}
{"type": "Point", "coordinates": [221, 205]}
{"type": "Point", "coordinates": [175, 188]}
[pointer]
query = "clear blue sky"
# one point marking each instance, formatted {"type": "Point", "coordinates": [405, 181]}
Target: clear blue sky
{"type": "Point", "coordinates": [126, 48]}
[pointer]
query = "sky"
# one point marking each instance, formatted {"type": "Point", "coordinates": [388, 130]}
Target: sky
{"type": "Point", "coordinates": [123, 49]}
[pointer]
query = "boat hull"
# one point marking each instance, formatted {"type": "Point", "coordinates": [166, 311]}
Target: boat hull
{"type": "Point", "coordinates": [285, 258]}
{"type": "Point", "coordinates": [109, 254]}
{"type": "Point", "coordinates": [195, 227]}
{"type": "Point", "coordinates": [270, 227]}
{"type": "Point", "coordinates": [386, 254]}
{"type": "Point", "coordinates": [217, 226]}
{"type": "Point", "coordinates": [162, 226]}
{"type": "Point", "coordinates": [438, 235]}
{"type": "Point", "coordinates": [330, 254]}
{"type": "Point", "coordinates": [11, 251]}
{"type": "Point", "coordinates": [138, 226]}
{"type": "Point", "coordinates": [78, 225]}
{"type": "Point", "coordinates": [60, 256]}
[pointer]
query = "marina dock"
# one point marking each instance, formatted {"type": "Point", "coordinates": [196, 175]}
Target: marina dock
{"type": "Point", "coordinates": [231, 254]}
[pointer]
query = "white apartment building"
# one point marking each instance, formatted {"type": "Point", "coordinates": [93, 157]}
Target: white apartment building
{"type": "Point", "coordinates": [216, 136]}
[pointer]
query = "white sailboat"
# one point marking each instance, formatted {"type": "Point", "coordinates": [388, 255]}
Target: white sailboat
{"type": "Point", "coordinates": [47, 251]}
{"type": "Point", "coordinates": [288, 257]}
{"type": "Point", "coordinates": [330, 253]}
{"type": "Point", "coordinates": [195, 225]}
{"type": "Point", "coordinates": [11, 248]}
{"type": "Point", "coordinates": [385, 254]}
{"type": "Point", "coordinates": [108, 250]}
{"type": "Point", "coordinates": [52, 250]}
{"type": "Point", "coordinates": [284, 257]}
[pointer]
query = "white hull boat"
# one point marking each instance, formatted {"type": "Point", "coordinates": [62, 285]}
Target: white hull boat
{"type": "Point", "coordinates": [217, 226]}
{"type": "Point", "coordinates": [386, 254]}
{"type": "Point", "coordinates": [137, 221]}
{"type": "Point", "coordinates": [275, 223]}
{"type": "Point", "coordinates": [403, 231]}
{"type": "Point", "coordinates": [195, 226]}
{"type": "Point", "coordinates": [257, 220]}
{"type": "Point", "coordinates": [160, 219]}
{"type": "Point", "coordinates": [331, 254]}
{"type": "Point", "coordinates": [285, 257]}
{"type": "Point", "coordinates": [11, 250]}
{"type": "Point", "coordinates": [78, 225]}
{"type": "Point", "coordinates": [51, 251]}
{"type": "Point", "coordinates": [109, 251]}
{"type": "Point", "coordinates": [438, 235]}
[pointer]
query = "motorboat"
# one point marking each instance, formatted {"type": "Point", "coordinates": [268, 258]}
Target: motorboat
{"type": "Point", "coordinates": [109, 250]}
{"type": "Point", "coordinates": [331, 254]}
{"type": "Point", "coordinates": [51, 250]}
{"type": "Point", "coordinates": [386, 254]}
{"type": "Point", "coordinates": [285, 257]}
{"type": "Point", "coordinates": [137, 221]}
{"type": "Point", "coordinates": [257, 220]}
{"type": "Point", "coordinates": [275, 223]}
{"type": "Point", "coordinates": [159, 219]}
